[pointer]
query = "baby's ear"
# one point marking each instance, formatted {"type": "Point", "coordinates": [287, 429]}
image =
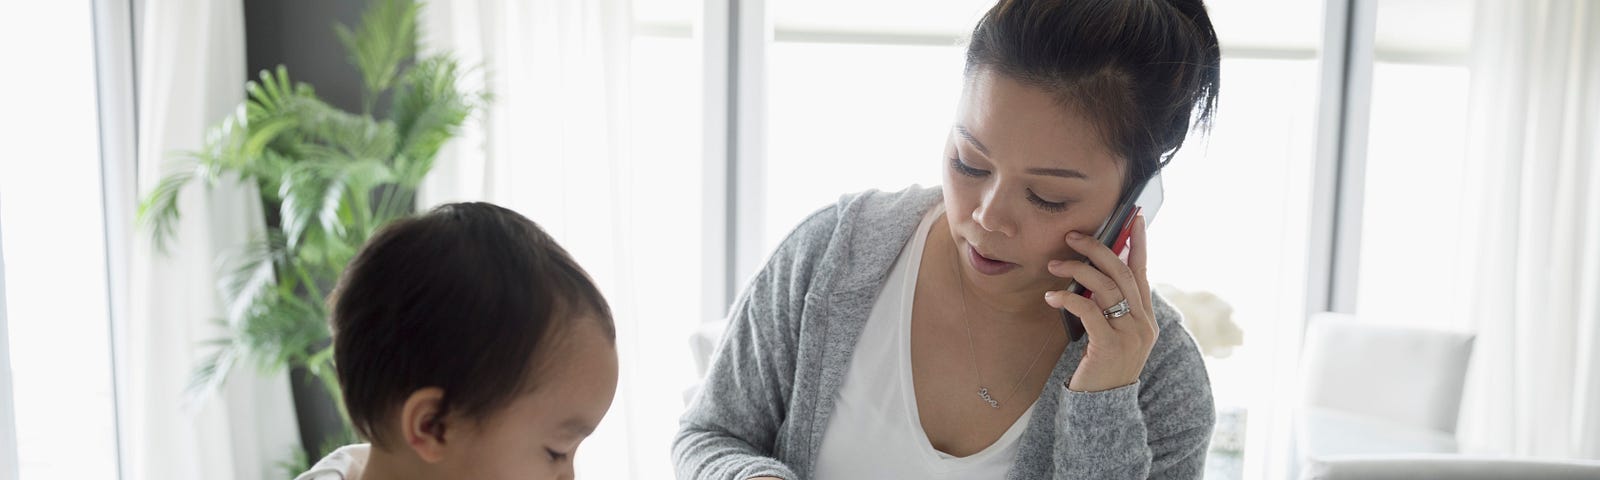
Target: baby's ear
{"type": "Point", "coordinates": [422, 424]}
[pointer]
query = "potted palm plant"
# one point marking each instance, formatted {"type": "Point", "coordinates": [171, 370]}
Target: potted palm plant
{"type": "Point", "coordinates": [328, 179]}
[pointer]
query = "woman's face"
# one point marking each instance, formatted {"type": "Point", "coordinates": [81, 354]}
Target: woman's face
{"type": "Point", "coordinates": [1021, 171]}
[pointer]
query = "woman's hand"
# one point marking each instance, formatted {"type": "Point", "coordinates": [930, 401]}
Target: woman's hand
{"type": "Point", "coordinates": [1118, 347]}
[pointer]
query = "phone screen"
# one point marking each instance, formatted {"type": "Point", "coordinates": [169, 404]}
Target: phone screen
{"type": "Point", "coordinates": [1143, 199]}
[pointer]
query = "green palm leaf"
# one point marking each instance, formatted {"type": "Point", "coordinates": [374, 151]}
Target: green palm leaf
{"type": "Point", "coordinates": [386, 37]}
{"type": "Point", "coordinates": [212, 372]}
{"type": "Point", "coordinates": [428, 109]}
{"type": "Point", "coordinates": [346, 135]}
{"type": "Point", "coordinates": [158, 213]}
{"type": "Point", "coordinates": [251, 274]}
{"type": "Point", "coordinates": [273, 332]}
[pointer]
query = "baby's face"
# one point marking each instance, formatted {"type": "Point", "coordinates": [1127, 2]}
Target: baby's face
{"type": "Point", "coordinates": [537, 435]}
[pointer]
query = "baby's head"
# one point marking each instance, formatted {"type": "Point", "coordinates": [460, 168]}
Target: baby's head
{"type": "Point", "coordinates": [468, 343]}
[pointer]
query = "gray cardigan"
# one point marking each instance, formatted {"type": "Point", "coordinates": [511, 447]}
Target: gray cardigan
{"type": "Point", "coordinates": [770, 389]}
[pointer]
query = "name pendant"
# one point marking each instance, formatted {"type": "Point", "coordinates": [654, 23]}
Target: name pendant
{"type": "Point", "coordinates": [983, 392]}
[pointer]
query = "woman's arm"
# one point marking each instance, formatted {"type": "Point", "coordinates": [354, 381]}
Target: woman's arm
{"type": "Point", "coordinates": [730, 430]}
{"type": "Point", "coordinates": [1158, 427]}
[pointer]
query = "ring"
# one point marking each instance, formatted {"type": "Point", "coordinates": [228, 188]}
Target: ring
{"type": "Point", "coordinates": [1119, 310]}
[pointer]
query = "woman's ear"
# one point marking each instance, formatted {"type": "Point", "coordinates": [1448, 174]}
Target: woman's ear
{"type": "Point", "coordinates": [422, 424]}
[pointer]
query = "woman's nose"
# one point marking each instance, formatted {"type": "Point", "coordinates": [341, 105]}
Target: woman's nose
{"type": "Point", "coordinates": [988, 216]}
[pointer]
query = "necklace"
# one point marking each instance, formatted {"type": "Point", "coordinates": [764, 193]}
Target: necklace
{"type": "Point", "coordinates": [983, 391]}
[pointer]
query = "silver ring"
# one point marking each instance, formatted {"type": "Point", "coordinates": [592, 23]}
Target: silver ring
{"type": "Point", "coordinates": [1117, 311]}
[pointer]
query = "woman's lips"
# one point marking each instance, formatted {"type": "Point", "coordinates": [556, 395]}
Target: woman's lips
{"type": "Point", "coordinates": [986, 265]}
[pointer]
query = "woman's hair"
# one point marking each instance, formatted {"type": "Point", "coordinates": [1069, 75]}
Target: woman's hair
{"type": "Point", "coordinates": [469, 298]}
{"type": "Point", "coordinates": [1141, 71]}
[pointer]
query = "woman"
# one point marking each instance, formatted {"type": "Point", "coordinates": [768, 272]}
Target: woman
{"type": "Point", "coordinates": [911, 334]}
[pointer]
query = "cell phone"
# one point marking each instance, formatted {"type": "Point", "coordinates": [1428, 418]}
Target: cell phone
{"type": "Point", "coordinates": [1143, 198]}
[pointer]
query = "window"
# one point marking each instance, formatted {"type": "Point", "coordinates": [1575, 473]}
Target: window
{"type": "Point", "coordinates": [54, 238]}
{"type": "Point", "coordinates": [1415, 157]}
{"type": "Point", "coordinates": [665, 255]}
{"type": "Point", "coordinates": [1235, 222]}
{"type": "Point", "coordinates": [844, 120]}
{"type": "Point", "coordinates": [841, 118]}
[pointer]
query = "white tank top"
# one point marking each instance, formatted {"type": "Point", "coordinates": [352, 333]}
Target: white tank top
{"type": "Point", "coordinates": [875, 431]}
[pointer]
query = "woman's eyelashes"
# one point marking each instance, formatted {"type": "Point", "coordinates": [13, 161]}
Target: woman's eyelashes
{"type": "Point", "coordinates": [1037, 201]}
{"type": "Point", "coordinates": [1046, 205]}
{"type": "Point", "coordinates": [964, 169]}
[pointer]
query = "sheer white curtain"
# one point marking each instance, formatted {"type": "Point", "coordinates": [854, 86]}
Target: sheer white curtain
{"type": "Point", "coordinates": [555, 145]}
{"type": "Point", "coordinates": [191, 74]}
{"type": "Point", "coordinates": [8, 424]}
{"type": "Point", "coordinates": [1534, 164]}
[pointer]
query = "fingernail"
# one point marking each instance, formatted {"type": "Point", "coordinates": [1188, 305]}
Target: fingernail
{"type": "Point", "coordinates": [1055, 263]}
{"type": "Point", "coordinates": [1050, 294]}
{"type": "Point", "coordinates": [1074, 235]}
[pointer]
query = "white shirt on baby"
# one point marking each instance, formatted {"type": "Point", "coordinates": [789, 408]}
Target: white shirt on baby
{"type": "Point", "coordinates": [346, 463]}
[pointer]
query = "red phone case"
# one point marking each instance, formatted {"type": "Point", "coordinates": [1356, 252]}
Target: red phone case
{"type": "Point", "coordinates": [1124, 241]}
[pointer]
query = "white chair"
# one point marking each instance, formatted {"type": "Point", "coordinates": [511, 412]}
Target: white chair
{"type": "Point", "coordinates": [1377, 390]}
{"type": "Point", "coordinates": [1455, 467]}
{"type": "Point", "coordinates": [1406, 376]}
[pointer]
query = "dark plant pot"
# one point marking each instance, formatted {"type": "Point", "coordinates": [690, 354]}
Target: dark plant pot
{"type": "Point", "coordinates": [315, 411]}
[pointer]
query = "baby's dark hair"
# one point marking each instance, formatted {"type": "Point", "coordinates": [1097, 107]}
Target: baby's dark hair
{"type": "Point", "coordinates": [469, 298]}
{"type": "Point", "coordinates": [1141, 71]}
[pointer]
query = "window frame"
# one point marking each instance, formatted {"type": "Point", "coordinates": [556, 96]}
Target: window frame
{"type": "Point", "coordinates": [112, 25]}
{"type": "Point", "coordinates": [116, 82]}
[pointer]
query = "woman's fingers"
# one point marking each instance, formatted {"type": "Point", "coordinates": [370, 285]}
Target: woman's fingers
{"type": "Point", "coordinates": [1094, 323]}
{"type": "Point", "coordinates": [1105, 290]}
{"type": "Point", "coordinates": [1109, 264]}
{"type": "Point", "coordinates": [1138, 259]}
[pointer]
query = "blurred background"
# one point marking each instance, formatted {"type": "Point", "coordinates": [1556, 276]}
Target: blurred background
{"type": "Point", "coordinates": [1389, 245]}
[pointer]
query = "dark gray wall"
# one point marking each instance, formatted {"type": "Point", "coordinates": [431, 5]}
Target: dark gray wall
{"type": "Point", "coordinates": [299, 34]}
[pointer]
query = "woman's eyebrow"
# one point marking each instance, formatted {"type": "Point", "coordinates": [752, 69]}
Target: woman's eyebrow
{"type": "Point", "coordinates": [1059, 172]}
{"type": "Point", "coordinates": [962, 130]}
{"type": "Point", "coordinates": [1053, 172]}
